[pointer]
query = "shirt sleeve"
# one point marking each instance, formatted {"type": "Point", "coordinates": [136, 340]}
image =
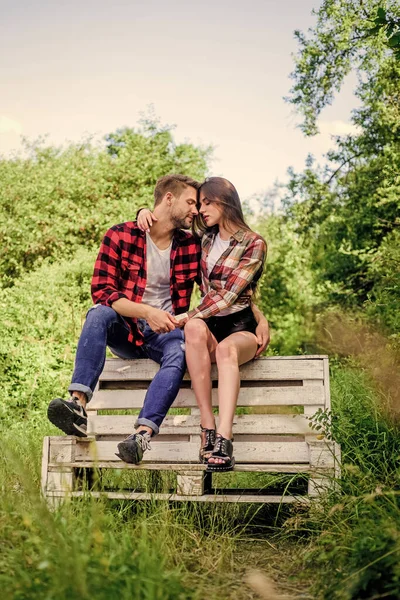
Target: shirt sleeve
{"type": "Point", "coordinates": [238, 280]}
{"type": "Point", "coordinates": [107, 271]}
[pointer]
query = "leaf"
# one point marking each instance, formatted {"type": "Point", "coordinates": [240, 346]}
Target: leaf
{"type": "Point", "coordinates": [394, 40]}
{"type": "Point", "coordinates": [381, 15]}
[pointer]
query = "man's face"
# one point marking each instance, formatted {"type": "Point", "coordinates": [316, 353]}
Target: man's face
{"type": "Point", "coordinates": [184, 208]}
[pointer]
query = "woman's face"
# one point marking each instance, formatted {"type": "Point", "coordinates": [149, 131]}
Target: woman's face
{"type": "Point", "coordinates": [210, 211]}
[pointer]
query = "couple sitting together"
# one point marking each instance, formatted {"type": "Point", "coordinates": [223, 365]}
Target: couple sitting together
{"type": "Point", "coordinates": [142, 283]}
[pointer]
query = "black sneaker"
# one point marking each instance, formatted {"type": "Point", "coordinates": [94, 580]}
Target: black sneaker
{"type": "Point", "coordinates": [69, 416]}
{"type": "Point", "coordinates": [131, 450]}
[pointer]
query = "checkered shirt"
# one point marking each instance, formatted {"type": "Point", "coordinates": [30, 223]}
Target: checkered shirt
{"type": "Point", "coordinates": [120, 270]}
{"type": "Point", "coordinates": [233, 278]}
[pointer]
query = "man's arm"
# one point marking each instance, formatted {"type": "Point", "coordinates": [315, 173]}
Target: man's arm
{"type": "Point", "coordinates": [262, 330]}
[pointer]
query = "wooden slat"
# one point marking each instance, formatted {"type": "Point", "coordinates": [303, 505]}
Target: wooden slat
{"type": "Point", "coordinates": [263, 369]}
{"type": "Point", "coordinates": [189, 425]}
{"type": "Point", "coordinates": [246, 452]}
{"type": "Point", "coordinates": [327, 384]}
{"type": "Point", "coordinates": [249, 498]}
{"type": "Point", "coordinates": [45, 463]}
{"type": "Point", "coordinates": [260, 396]}
{"type": "Point", "coordinates": [239, 467]}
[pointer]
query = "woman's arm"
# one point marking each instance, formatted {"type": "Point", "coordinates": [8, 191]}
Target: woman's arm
{"type": "Point", "coordinates": [262, 330]}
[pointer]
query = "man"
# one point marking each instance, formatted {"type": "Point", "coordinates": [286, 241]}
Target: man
{"type": "Point", "coordinates": [141, 282]}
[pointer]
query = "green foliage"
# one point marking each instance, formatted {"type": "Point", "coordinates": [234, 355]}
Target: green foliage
{"type": "Point", "coordinates": [285, 293]}
{"type": "Point", "coordinates": [383, 301]}
{"type": "Point", "coordinates": [341, 40]}
{"type": "Point", "coordinates": [354, 536]}
{"type": "Point", "coordinates": [42, 315]}
{"type": "Point", "coordinates": [348, 210]}
{"type": "Point", "coordinates": [57, 200]}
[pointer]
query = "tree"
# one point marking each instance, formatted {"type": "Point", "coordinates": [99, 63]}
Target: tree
{"type": "Point", "coordinates": [346, 210]}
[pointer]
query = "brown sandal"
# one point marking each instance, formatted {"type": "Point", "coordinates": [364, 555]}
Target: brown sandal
{"type": "Point", "coordinates": [207, 444]}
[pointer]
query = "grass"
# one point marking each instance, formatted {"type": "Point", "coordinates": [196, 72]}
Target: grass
{"type": "Point", "coordinates": [100, 549]}
{"type": "Point", "coordinates": [352, 540]}
{"type": "Point", "coordinates": [157, 550]}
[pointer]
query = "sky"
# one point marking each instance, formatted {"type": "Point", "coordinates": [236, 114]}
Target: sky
{"type": "Point", "coordinates": [216, 70]}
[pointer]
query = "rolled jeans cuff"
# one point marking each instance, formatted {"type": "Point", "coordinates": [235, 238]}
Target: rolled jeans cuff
{"type": "Point", "coordinates": [148, 423]}
{"type": "Point", "coordinates": [79, 387]}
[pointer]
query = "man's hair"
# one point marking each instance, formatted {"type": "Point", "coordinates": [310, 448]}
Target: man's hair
{"type": "Point", "coordinates": [174, 184]}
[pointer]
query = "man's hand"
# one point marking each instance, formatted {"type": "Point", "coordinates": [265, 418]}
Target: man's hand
{"type": "Point", "coordinates": [145, 220]}
{"type": "Point", "coordinates": [160, 321]}
{"type": "Point", "coordinates": [263, 336]}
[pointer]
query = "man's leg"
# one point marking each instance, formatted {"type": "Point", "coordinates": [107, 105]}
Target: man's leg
{"type": "Point", "coordinates": [103, 326]}
{"type": "Point", "coordinates": [168, 350]}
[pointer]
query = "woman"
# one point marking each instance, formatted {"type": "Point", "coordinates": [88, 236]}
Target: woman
{"type": "Point", "coordinates": [222, 328]}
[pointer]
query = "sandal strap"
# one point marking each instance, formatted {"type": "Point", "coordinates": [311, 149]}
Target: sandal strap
{"type": "Point", "coordinates": [223, 448]}
{"type": "Point", "coordinates": [210, 435]}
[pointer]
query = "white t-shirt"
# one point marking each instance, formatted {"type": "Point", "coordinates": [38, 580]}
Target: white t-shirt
{"type": "Point", "coordinates": [218, 248]}
{"type": "Point", "coordinates": [157, 292]}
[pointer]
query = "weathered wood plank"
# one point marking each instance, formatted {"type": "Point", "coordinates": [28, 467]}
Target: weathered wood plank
{"type": "Point", "coordinates": [263, 369]}
{"type": "Point", "coordinates": [45, 464]}
{"type": "Point", "coordinates": [260, 396]}
{"type": "Point", "coordinates": [249, 498]}
{"type": "Point", "coordinates": [239, 467]}
{"type": "Point", "coordinates": [246, 452]}
{"type": "Point", "coordinates": [62, 449]}
{"type": "Point", "coordinates": [327, 385]}
{"type": "Point", "coordinates": [190, 425]}
{"type": "Point", "coordinates": [190, 483]}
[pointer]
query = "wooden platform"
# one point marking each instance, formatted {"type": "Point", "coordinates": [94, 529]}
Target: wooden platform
{"type": "Point", "coordinates": [271, 430]}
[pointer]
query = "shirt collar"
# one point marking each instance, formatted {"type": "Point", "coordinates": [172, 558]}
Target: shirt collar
{"type": "Point", "coordinates": [238, 235]}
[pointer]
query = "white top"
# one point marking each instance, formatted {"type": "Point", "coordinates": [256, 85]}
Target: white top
{"type": "Point", "coordinates": [157, 292]}
{"type": "Point", "coordinates": [218, 248]}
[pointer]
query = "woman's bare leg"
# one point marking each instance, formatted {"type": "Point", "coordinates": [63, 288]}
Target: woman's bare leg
{"type": "Point", "coordinates": [233, 351]}
{"type": "Point", "coordinates": [200, 347]}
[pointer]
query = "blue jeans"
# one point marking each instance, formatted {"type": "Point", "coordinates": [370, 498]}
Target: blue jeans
{"type": "Point", "coordinates": [104, 327]}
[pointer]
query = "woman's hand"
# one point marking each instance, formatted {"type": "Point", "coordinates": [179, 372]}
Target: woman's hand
{"type": "Point", "coordinates": [145, 219]}
{"type": "Point", "coordinates": [182, 319]}
{"type": "Point", "coordinates": [263, 336]}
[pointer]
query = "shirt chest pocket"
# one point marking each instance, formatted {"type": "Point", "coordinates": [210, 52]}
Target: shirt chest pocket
{"type": "Point", "coordinates": [184, 283]}
{"type": "Point", "coordinates": [130, 269]}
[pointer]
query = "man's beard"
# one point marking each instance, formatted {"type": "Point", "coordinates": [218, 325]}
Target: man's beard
{"type": "Point", "coordinates": [180, 222]}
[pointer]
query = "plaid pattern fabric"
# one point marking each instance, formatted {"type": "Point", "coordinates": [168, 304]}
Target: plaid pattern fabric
{"type": "Point", "coordinates": [120, 270]}
{"type": "Point", "coordinates": [234, 275]}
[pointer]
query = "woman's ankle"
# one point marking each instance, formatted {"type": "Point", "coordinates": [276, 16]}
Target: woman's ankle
{"type": "Point", "coordinates": [225, 433]}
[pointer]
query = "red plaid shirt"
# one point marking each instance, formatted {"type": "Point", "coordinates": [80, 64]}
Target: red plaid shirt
{"type": "Point", "coordinates": [120, 270]}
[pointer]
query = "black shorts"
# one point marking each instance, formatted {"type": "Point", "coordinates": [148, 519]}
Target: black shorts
{"type": "Point", "coordinates": [242, 320]}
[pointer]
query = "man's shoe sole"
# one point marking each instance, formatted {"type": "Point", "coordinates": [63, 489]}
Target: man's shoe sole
{"type": "Point", "coordinates": [129, 452]}
{"type": "Point", "coordinates": [62, 417]}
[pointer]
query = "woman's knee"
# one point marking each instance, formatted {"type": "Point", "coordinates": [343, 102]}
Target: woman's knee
{"type": "Point", "coordinates": [226, 352]}
{"type": "Point", "coordinates": [196, 331]}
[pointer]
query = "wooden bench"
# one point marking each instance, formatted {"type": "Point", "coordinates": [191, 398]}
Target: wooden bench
{"type": "Point", "coordinates": [272, 434]}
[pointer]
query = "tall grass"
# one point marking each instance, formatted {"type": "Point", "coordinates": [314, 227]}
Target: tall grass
{"type": "Point", "coordinates": [99, 549]}
{"type": "Point", "coordinates": [353, 537]}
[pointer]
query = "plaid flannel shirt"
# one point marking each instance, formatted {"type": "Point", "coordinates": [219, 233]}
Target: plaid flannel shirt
{"type": "Point", "coordinates": [120, 270]}
{"type": "Point", "coordinates": [233, 278]}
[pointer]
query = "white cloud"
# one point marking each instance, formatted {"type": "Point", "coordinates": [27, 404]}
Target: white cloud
{"type": "Point", "coordinates": [337, 128]}
{"type": "Point", "coordinates": [8, 125]}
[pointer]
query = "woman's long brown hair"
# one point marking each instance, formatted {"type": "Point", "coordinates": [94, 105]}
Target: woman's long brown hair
{"type": "Point", "coordinates": [222, 192]}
